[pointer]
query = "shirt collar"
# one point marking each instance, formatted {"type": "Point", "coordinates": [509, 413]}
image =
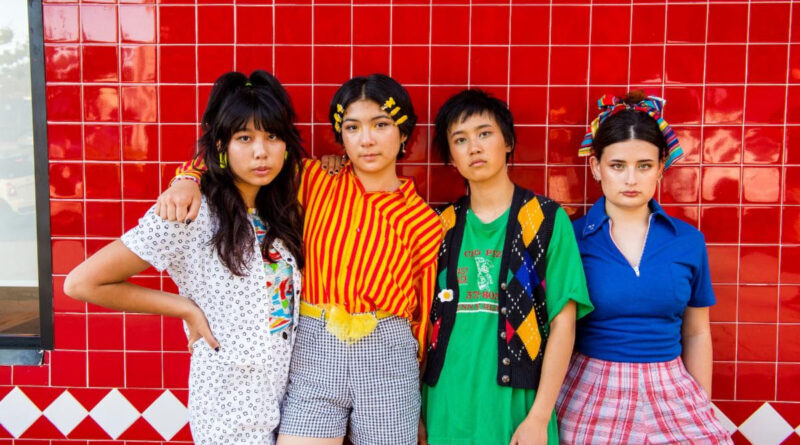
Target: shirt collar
{"type": "Point", "coordinates": [406, 189]}
{"type": "Point", "coordinates": [597, 217]}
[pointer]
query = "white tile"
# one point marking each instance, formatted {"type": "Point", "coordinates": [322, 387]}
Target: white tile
{"type": "Point", "coordinates": [167, 415]}
{"type": "Point", "coordinates": [65, 413]}
{"type": "Point", "coordinates": [17, 412]}
{"type": "Point", "coordinates": [114, 413]}
{"type": "Point", "coordinates": [766, 427]}
{"type": "Point", "coordinates": [727, 423]}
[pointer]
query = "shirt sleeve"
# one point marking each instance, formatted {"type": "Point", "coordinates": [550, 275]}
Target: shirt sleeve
{"type": "Point", "coordinates": [564, 279]}
{"type": "Point", "coordinates": [158, 242]}
{"type": "Point", "coordinates": [702, 291]}
{"type": "Point", "coordinates": [195, 167]}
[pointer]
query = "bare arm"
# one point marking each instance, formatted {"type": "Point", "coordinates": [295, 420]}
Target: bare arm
{"type": "Point", "coordinates": [533, 430]}
{"type": "Point", "coordinates": [101, 280]}
{"type": "Point", "coordinates": [697, 350]}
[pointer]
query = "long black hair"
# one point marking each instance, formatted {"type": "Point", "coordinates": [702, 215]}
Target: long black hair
{"type": "Point", "coordinates": [236, 100]}
{"type": "Point", "coordinates": [630, 124]}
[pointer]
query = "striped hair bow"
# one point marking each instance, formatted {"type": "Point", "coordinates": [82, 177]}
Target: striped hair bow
{"type": "Point", "coordinates": [652, 105]}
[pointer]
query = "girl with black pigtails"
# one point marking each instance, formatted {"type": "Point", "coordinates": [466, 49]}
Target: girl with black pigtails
{"type": "Point", "coordinates": [237, 266]}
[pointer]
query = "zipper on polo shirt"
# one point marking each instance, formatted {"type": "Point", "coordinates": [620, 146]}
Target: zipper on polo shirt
{"type": "Point", "coordinates": [644, 244]}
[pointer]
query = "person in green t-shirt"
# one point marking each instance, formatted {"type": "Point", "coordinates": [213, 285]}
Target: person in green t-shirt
{"type": "Point", "coordinates": [510, 286]}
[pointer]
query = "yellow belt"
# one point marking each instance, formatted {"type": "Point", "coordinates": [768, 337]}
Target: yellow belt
{"type": "Point", "coordinates": [345, 326]}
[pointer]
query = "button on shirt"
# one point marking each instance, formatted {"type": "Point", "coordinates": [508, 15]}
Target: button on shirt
{"type": "Point", "coordinates": [638, 314]}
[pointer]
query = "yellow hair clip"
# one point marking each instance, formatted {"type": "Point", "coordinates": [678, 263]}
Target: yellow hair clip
{"type": "Point", "coordinates": [395, 111]}
{"type": "Point", "coordinates": [389, 103]}
{"type": "Point", "coordinates": [337, 117]}
{"type": "Point", "coordinates": [402, 119]}
{"type": "Point", "coordinates": [337, 127]}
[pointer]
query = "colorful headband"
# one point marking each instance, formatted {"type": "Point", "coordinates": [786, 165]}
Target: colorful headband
{"type": "Point", "coordinates": [389, 106]}
{"type": "Point", "coordinates": [337, 118]}
{"type": "Point", "coordinates": [652, 105]}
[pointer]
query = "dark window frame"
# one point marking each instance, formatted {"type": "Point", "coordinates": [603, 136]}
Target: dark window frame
{"type": "Point", "coordinates": [41, 172]}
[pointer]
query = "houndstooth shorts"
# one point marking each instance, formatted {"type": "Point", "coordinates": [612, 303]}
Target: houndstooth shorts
{"type": "Point", "coordinates": [372, 386]}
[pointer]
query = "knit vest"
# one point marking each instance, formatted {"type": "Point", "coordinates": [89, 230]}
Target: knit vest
{"type": "Point", "coordinates": [522, 328]}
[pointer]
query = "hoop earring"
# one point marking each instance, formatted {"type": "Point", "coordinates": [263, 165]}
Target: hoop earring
{"type": "Point", "coordinates": [223, 160]}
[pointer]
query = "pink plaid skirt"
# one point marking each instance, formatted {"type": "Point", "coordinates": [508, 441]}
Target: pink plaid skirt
{"type": "Point", "coordinates": [605, 402]}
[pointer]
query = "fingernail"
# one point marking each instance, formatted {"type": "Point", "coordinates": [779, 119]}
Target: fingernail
{"type": "Point", "coordinates": [188, 221]}
{"type": "Point", "coordinates": [216, 349]}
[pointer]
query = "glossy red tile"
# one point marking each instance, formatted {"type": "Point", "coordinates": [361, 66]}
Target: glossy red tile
{"type": "Point", "coordinates": [488, 65]}
{"type": "Point", "coordinates": [63, 103]}
{"type": "Point", "coordinates": [31, 375]}
{"type": "Point", "coordinates": [789, 304]}
{"type": "Point", "coordinates": [332, 65]}
{"type": "Point", "coordinates": [177, 103]}
{"type": "Point", "coordinates": [402, 70]}
{"type": "Point", "coordinates": [60, 23]}
{"type": "Point", "coordinates": [138, 64]}
{"type": "Point", "coordinates": [141, 181]}
{"type": "Point", "coordinates": [530, 25]}
{"type": "Point", "coordinates": [375, 59]}
{"type": "Point", "coordinates": [757, 342]}
{"type": "Point", "coordinates": [254, 24]}
{"type": "Point", "coordinates": [722, 145]}
{"type": "Point", "coordinates": [102, 180]}
{"type": "Point", "coordinates": [174, 336]}
{"type": "Point", "coordinates": [755, 381]}
{"type": "Point", "coordinates": [62, 63]}
{"type": "Point", "coordinates": [69, 331]}
{"type": "Point", "coordinates": [647, 64]}
{"type": "Point", "coordinates": [684, 105]}
{"type": "Point", "coordinates": [759, 225]}
{"type": "Point", "coordinates": [446, 184]}
{"type": "Point", "coordinates": [409, 24]}
{"type": "Point", "coordinates": [531, 143]}
{"type": "Point", "coordinates": [215, 24]}
{"type": "Point", "coordinates": [529, 105]}
{"type": "Point", "coordinates": [763, 145]}
{"type": "Point", "coordinates": [611, 24]}
{"type": "Point", "coordinates": [449, 65]}
{"type": "Point", "coordinates": [66, 180]}
{"type": "Point", "coordinates": [176, 370]}
{"type": "Point", "coordinates": [725, 63]}
{"type": "Point", "coordinates": [101, 142]}
{"type": "Point", "coordinates": [528, 65]}
{"type": "Point", "coordinates": [140, 142]}
{"type": "Point", "coordinates": [727, 22]}
{"type": "Point", "coordinates": [177, 142]}
{"type": "Point", "coordinates": [765, 104]}
{"type": "Point", "coordinates": [137, 23]}
{"type": "Point", "coordinates": [332, 24]}
{"type": "Point", "coordinates": [177, 64]}
{"type": "Point", "coordinates": [567, 105]}
{"type": "Point", "coordinates": [176, 24]}
{"type": "Point", "coordinates": [569, 25]}
{"type": "Point", "coordinates": [372, 25]}
{"type": "Point", "coordinates": [684, 63]}
{"type": "Point", "coordinates": [103, 218]}
{"type": "Point", "coordinates": [790, 255]}
{"type": "Point", "coordinates": [142, 332]}
{"type": "Point", "coordinates": [100, 104]}
{"type": "Point", "coordinates": [725, 310]}
{"type": "Point", "coordinates": [758, 264]}
{"type": "Point", "coordinates": [686, 23]}
{"type": "Point", "coordinates": [769, 22]}
{"type": "Point", "coordinates": [723, 262]}
{"type": "Point", "coordinates": [724, 105]}
{"type": "Point", "coordinates": [788, 376]}
{"type": "Point", "coordinates": [720, 224]}
{"type": "Point", "coordinates": [720, 184]}
{"type": "Point", "coordinates": [648, 23]}
{"type": "Point", "coordinates": [66, 218]}
{"type": "Point", "coordinates": [561, 143]}
{"type": "Point", "coordinates": [788, 346]}
{"type": "Point", "coordinates": [758, 304]}
{"type": "Point", "coordinates": [143, 370]}
{"type": "Point", "coordinates": [64, 142]}
{"type": "Point", "coordinates": [761, 184]}
{"type": "Point", "coordinates": [106, 369]}
{"type": "Point", "coordinates": [767, 63]}
{"type": "Point", "coordinates": [248, 59]}
{"type": "Point", "coordinates": [293, 64]}
{"type": "Point", "coordinates": [490, 25]}
{"type": "Point", "coordinates": [680, 185]}
{"type": "Point", "coordinates": [99, 23]}
{"type": "Point", "coordinates": [568, 65]}
{"type": "Point", "coordinates": [292, 24]}
{"type": "Point", "coordinates": [606, 68]}
{"type": "Point", "coordinates": [723, 383]}
{"type": "Point", "coordinates": [723, 338]}
{"type": "Point", "coordinates": [105, 331]}
{"type": "Point", "coordinates": [68, 368]}
{"type": "Point", "coordinates": [561, 185]}
{"type": "Point", "coordinates": [691, 142]}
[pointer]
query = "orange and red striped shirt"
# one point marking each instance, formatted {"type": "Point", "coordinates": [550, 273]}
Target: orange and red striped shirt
{"type": "Point", "coordinates": [367, 251]}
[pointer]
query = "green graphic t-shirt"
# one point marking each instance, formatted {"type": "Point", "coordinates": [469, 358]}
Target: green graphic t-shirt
{"type": "Point", "coordinates": [467, 406]}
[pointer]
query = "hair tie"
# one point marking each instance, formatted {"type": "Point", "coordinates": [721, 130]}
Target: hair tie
{"type": "Point", "coordinates": [652, 105]}
{"type": "Point", "coordinates": [338, 115]}
{"type": "Point", "coordinates": [248, 84]}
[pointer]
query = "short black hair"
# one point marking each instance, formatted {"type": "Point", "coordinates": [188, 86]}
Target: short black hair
{"type": "Point", "coordinates": [630, 124]}
{"type": "Point", "coordinates": [464, 105]}
{"type": "Point", "coordinates": [377, 88]}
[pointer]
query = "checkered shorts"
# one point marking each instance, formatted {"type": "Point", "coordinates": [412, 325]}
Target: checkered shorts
{"type": "Point", "coordinates": [372, 386]}
{"type": "Point", "coordinates": [604, 402]}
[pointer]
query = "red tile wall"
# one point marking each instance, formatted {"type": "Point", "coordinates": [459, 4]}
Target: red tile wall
{"type": "Point", "coordinates": [127, 81]}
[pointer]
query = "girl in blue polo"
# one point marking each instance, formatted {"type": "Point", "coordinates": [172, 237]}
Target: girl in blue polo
{"type": "Point", "coordinates": [641, 372]}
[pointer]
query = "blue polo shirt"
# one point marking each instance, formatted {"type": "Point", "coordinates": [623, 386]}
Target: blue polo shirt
{"type": "Point", "coordinates": [638, 314]}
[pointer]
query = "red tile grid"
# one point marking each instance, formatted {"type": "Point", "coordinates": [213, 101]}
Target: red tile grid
{"type": "Point", "coordinates": [127, 80]}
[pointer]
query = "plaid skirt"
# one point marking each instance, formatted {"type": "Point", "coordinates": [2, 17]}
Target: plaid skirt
{"type": "Point", "coordinates": [604, 402]}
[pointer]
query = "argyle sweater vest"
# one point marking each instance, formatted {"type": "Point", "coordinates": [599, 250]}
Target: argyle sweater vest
{"type": "Point", "coordinates": [522, 319]}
